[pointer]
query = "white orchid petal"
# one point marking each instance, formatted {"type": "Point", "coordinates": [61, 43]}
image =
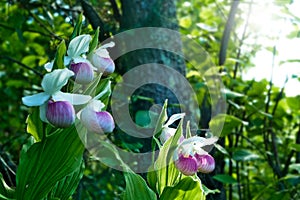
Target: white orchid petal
{"type": "Point", "coordinates": [174, 118]}
{"type": "Point", "coordinates": [210, 141]}
{"type": "Point", "coordinates": [75, 99]}
{"type": "Point", "coordinates": [194, 144]}
{"type": "Point", "coordinates": [79, 45]}
{"type": "Point", "coordinates": [199, 142]}
{"type": "Point", "coordinates": [48, 66]}
{"type": "Point", "coordinates": [55, 80]}
{"type": "Point", "coordinates": [110, 44]}
{"type": "Point", "coordinates": [96, 105]}
{"type": "Point", "coordinates": [102, 53]}
{"type": "Point", "coordinates": [67, 60]}
{"type": "Point", "coordinates": [43, 110]}
{"type": "Point", "coordinates": [36, 99]}
{"type": "Point", "coordinates": [166, 134]}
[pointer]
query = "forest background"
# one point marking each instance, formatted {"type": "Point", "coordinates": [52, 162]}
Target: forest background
{"type": "Point", "coordinates": [253, 44]}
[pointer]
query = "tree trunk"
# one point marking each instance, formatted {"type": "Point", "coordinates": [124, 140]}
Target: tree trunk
{"type": "Point", "coordinates": [143, 13]}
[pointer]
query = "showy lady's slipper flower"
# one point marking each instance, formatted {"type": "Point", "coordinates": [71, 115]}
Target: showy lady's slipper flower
{"type": "Point", "coordinates": [101, 60]}
{"type": "Point", "coordinates": [77, 49]}
{"type": "Point", "coordinates": [190, 158]}
{"type": "Point", "coordinates": [84, 73]}
{"type": "Point", "coordinates": [167, 132]}
{"type": "Point", "coordinates": [52, 83]}
{"type": "Point", "coordinates": [95, 120]}
{"type": "Point", "coordinates": [76, 59]}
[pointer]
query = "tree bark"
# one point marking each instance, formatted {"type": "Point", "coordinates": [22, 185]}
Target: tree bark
{"type": "Point", "coordinates": [143, 13]}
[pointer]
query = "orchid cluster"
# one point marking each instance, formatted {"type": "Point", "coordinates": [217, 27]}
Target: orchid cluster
{"type": "Point", "coordinates": [81, 64]}
{"type": "Point", "coordinates": [189, 156]}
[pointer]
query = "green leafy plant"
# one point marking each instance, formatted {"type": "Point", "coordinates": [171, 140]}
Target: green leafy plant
{"type": "Point", "coordinates": [52, 161]}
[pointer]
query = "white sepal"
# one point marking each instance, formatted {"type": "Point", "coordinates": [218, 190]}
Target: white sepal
{"type": "Point", "coordinates": [43, 110]}
{"type": "Point", "coordinates": [79, 45]}
{"type": "Point", "coordinates": [48, 66]}
{"type": "Point", "coordinates": [36, 99]}
{"type": "Point", "coordinates": [174, 118]}
{"type": "Point", "coordinates": [54, 81]}
{"type": "Point", "coordinates": [108, 45]}
{"type": "Point", "coordinates": [75, 99]}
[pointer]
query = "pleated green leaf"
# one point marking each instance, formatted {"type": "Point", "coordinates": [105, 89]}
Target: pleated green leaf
{"type": "Point", "coordinates": [59, 56]}
{"type": "Point", "coordinates": [186, 189]}
{"type": "Point", "coordinates": [136, 188]}
{"type": "Point", "coordinates": [67, 186]}
{"type": "Point", "coordinates": [94, 42]}
{"type": "Point", "coordinates": [47, 162]}
{"type": "Point", "coordinates": [77, 28]}
{"type": "Point", "coordinates": [167, 173]}
{"type": "Point", "coordinates": [35, 125]}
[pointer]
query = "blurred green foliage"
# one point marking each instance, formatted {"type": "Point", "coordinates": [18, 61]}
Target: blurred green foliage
{"type": "Point", "coordinates": [261, 148]}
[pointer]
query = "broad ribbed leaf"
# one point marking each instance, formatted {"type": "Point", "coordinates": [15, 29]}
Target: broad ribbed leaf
{"type": "Point", "coordinates": [59, 56]}
{"type": "Point", "coordinates": [187, 188]}
{"type": "Point", "coordinates": [103, 90]}
{"type": "Point", "coordinates": [167, 173]}
{"type": "Point", "coordinates": [35, 125]}
{"type": "Point", "coordinates": [94, 41]}
{"type": "Point", "coordinates": [152, 178]}
{"type": "Point", "coordinates": [136, 188]}
{"type": "Point", "coordinates": [161, 119]}
{"type": "Point", "coordinates": [67, 186]}
{"type": "Point", "coordinates": [47, 162]}
{"type": "Point", "coordinates": [77, 28]}
{"type": "Point", "coordinates": [159, 122]}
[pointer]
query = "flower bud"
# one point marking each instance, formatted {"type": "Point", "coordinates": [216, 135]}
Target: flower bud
{"type": "Point", "coordinates": [102, 64]}
{"type": "Point", "coordinates": [205, 163]}
{"type": "Point", "coordinates": [83, 71]}
{"type": "Point", "coordinates": [98, 122]}
{"type": "Point", "coordinates": [60, 113]}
